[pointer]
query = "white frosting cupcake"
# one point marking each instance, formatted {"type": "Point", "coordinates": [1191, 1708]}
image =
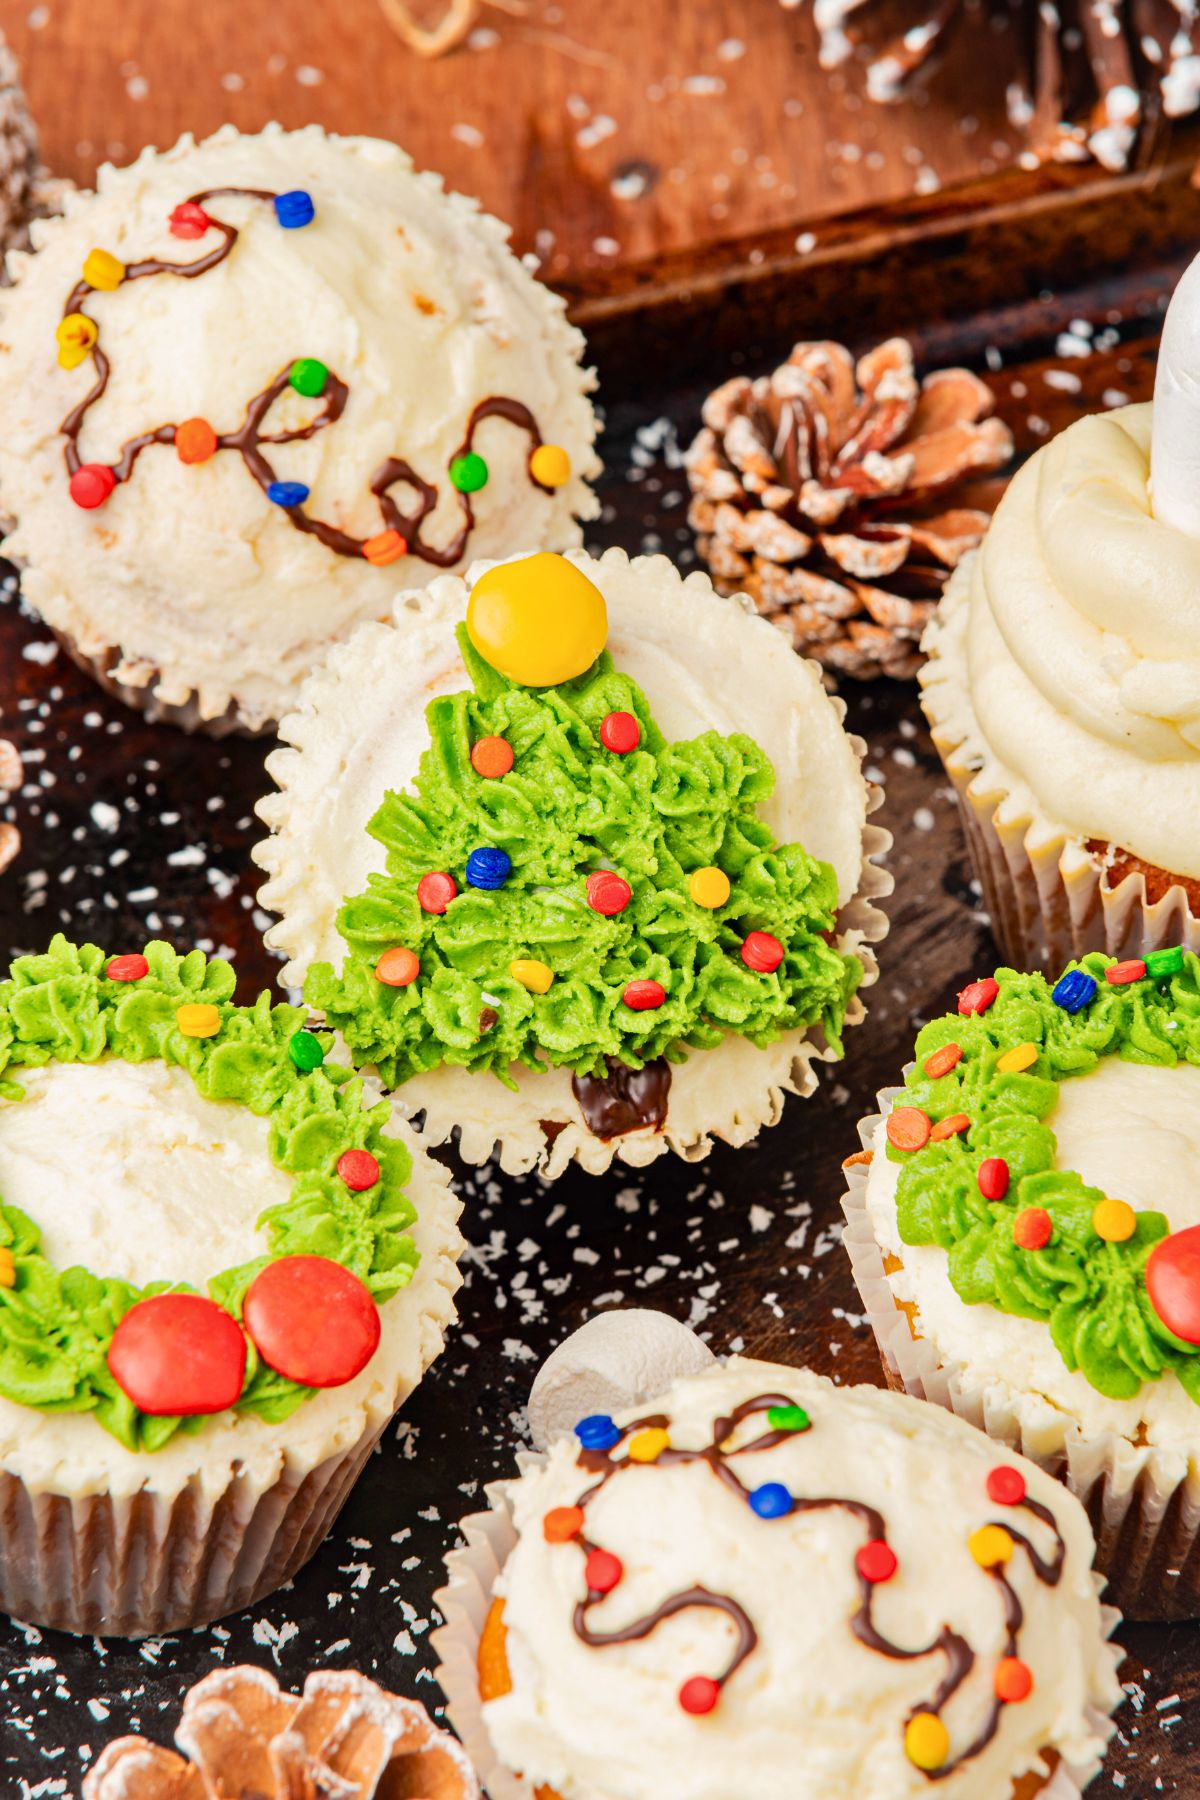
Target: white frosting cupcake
{"type": "Point", "coordinates": [187, 585]}
{"type": "Point", "coordinates": [704, 663]}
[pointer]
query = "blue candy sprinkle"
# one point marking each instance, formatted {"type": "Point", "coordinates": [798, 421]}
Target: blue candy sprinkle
{"type": "Point", "coordinates": [488, 867]}
{"type": "Point", "coordinates": [287, 493]}
{"type": "Point", "coordinates": [771, 1501]}
{"type": "Point", "coordinates": [295, 209]}
{"type": "Point", "coordinates": [598, 1432]}
{"type": "Point", "coordinates": [1074, 991]}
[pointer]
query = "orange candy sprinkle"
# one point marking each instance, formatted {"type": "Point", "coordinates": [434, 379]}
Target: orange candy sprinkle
{"type": "Point", "coordinates": [491, 757]}
{"type": "Point", "coordinates": [384, 548]}
{"type": "Point", "coordinates": [195, 441]}
{"type": "Point", "coordinates": [1033, 1228]}
{"type": "Point", "coordinates": [942, 1061]}
{"type": "Point", "coordinates": [398, 967]}
{"type": "Point", "coordinates": [908, 1128]}
{"type": "Point", "coordinates": [562, 1524]}
{"type": "Point", "coordinates": [949, 1127]}
{"type": "Point", "coordinates": [1014, 1680]}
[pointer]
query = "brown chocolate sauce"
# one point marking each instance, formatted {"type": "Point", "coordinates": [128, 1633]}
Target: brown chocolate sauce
{"type": "Point", "coordinates": [623, 1099]}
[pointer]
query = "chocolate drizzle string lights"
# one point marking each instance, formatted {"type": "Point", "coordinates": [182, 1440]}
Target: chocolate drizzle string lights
{"type": "Point", "coordinates": [91, 483]}
{"type": "Point", "coordinates": [647, 1442]}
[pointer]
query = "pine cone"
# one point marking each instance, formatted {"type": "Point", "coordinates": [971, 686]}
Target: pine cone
{"type": "Point", "coordinates": [244, 1739]}
{"type": "Point", "coordinates": [814, 486]}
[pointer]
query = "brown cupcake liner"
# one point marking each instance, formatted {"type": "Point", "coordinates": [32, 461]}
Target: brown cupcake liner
{"type": "Point", "coordinates": [184, 715]}
{"type": "Point", "coordinates": [1145, 1518]}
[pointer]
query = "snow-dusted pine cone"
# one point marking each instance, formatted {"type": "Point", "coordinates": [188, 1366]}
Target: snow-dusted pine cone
{"type": "Point", "coordinates": [343, 1738]}
{"type": "Point", "coordinates": [821, 490]}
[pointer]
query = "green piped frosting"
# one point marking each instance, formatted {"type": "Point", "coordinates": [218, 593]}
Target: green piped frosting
{"type": "Point", "coordinates": [567, 808]}
{"type": "Point", "coordinates": [56, 1325]}
{"type": "Point", "coordinates": [1090, 1292]}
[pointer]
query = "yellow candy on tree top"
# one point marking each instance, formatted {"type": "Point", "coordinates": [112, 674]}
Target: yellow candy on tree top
{"type": "Point", "coordinates": [539, 620]}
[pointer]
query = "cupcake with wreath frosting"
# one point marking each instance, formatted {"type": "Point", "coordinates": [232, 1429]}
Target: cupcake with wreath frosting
{"type": "Point", "coordinates": [575, 853]}
{"type": "Point", "coordinates": [755, 1582]}
{"type": "Point", "coordinates": [222, 1268]}
{"type": "Point", "coordinates": [254, 386]}
{"type": "Point", "coordinates": [1024, 1229]}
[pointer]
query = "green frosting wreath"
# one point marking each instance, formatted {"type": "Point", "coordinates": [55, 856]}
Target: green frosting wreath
{"type": "Point", "coordinates": [567, 808]}
{"type": "Point", "coordinates": [56, 1325]}
{"type": "Point", "coordinates": [1089, 1290]}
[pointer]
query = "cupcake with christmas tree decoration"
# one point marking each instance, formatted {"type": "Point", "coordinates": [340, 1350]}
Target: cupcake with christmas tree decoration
{"type": "Point", "coordinates": [575, 854]}
{"type": "Point", "coordinates": [1025, 1233]}
{"type": "Point", "coordinates": [254, 387]}
{"type": "Point", "coordinates": [755, 1582]}
{"type": "Point", "coordinates": [222, 1269]}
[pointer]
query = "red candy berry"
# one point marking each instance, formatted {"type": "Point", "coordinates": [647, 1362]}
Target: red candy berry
{"type": "Point", "coordinates": [762, 952]}
{"type": "Point", "coordinates": [189, 220]}
{"type": "Point", "coordinates": [1006, 1485]}
{"type": "Point", "coordinates": [358, 1169]}
{"type": "Point", "coordinates": [491, 757]}
{"type": "Point", "coordinates": [977, 996]}
{"type": "Point", "coordinates": [435, 891]}
{"type": "Point", "coordinates": [1122, 973]}
{"type": "Point", "coordinates": [699, 1695]}
{"type": "Point", "coordinates": [1173, 1283]}
{"type": "Point", "coordinates": [178, 1354]}
{"type": "Point", "coordinates": [128, 968]}
{"type": "Point", "coordinates": [602, 1571]}
{"type": "Point", "coordinates": [876, 1562]}
{"type": "Point", "coordinates": [608, 893]}
{"type": "Point", "coordinates": [993, 1178]}
{"type": "Point", "coordinates": [1033, 1228]}
{"type": "Point", "coordinates": [91, 484]}
{"type": "Point", "coordinates": [620, 733]}
{"type": "Point", "coordinates": [644, 996]}
{"type": "Point", "coordinates": [311, 1320]}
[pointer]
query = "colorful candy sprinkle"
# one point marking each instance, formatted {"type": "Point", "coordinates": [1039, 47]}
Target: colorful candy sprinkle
{"type": "Point", "coordinates": [699, 1695]}
{"type": "Point", "coordinates": [1006, 1485]}
{"type": "Point", "coordinates": [308, 376]}
{"type": "Point", "coordinates": [762, 952]}
{"type": "Point", "coordinates": [103, 270]}
{"type": "Point", "coordinates": [951, 1126]}
{"type": "Point", "coordinates": [876, 1562]}
{"type": "Point", "coordinates": [8, 1268]}
{"type": "Point", "coordinates": [993, 1178]}
{"type": "Point", "coordinates": [608, 893]}
{"type": "Point", "coordinates": [189, 221]}
{"type": "Point", "coordinates": [1114, 1220]}
{"type": "Point", "coordinates": [435, 891]}
{"type": "Point", "coordinates": [1122, 973]}
{"type": "Point", "coordinates": [598, 1432]}
{"type": "Point", "coordinates": [198, 1019]}
{"type": "Point", "coordinates": [563, 1524]}
{"type": "Point", "coordinates": [178, 1354]}
{"type": "Point", "coordinates": [75, 335]}
{"type": "Point", "coordinates": [358, 1169]}
{"type": "Point", "coordinates": [488, 868]}
{"type": "Point", "coordinates": [620, 732]}
{"type": "Point", "coordinates": [491, 757]}
{"type": "Point", "coordinates": [1074, 990]}
{"type": "Point", "coordinates": [468, 473]}
{"type": "Point", "coordinates": [942, 1061]}
{"type": "Point", "coordinates": [384, 548]}
{"type": "Point", "coordinates": [1173, 1283]}
{"type": "Point", "coordinates": [195, 441]}
{"type": "Point", "coordinates": [1013, 1680]}
{"type": "Point", "coordinates": [539, 620]}
{"type": "Point", "coordinates": [644, 996]}
{"type": "Point", "coordinates": [398, 967]}
{"type": "Point", "coordinates": [709, 887]}
{"type": "Point", "coordinates": [602, 1571]}
{"type": "Point", "coordinates": [908, 1128]}
{"type": "Point", "coordinates": [647, 1446]}
{"type": "Point", "coordinates": [977, 996]}
{"type": "Point", "coordinates": [1162, 963]}
{"type": "Point", "coordinates": [991, 1546]}
{"type": "Point", "coordinates": [128, 968]}
{"type": "Point", "coordinates": [771, 1501]}
{"type": "Point", "coordinates": [1021, 1056]}
{"type": "Point", "coordinates": [305, 1051]}
{"type": "Point", "coordinates": [532, 974]}
{"type": "Point", "coordinates": [1033, 1228]}
{"type": "Point", "coordinates": [787, 1418]}
{"type": "Point", "coordinates": [312, 1320]}
{"type": "Point", "coordinates": [91, 484]}
{"type": "Point", "coordinates": [926, 1741]}
{"type": "Point", "coordinates": [287, 493]}
{"type": "Point", "coordinates": [295, 209]}
{"type": "Point", "coordinates": [550, 466]}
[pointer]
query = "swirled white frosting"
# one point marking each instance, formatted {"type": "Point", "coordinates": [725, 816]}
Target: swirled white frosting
{"type": "Point", "coordinates": [1072, 647]}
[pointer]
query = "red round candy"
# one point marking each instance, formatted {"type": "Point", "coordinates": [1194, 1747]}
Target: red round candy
{"type": "Point", "coordinates": [189, 220]}
{"type": "Point", "coordinates": [128, 968]}
{"type": "Point", "coordinates": [977, 996]}
{"type": "Point", "coordinates": [620, 733]}
{"type": "Point", "coordinates": [178, 1354]}
{"type": "Point", "coordinates": [91, 484]}
{"type": "Point", "coordinates": [312, 1320]}
{"type": "Point", "coordinates": [762, 952]}
{"type": "Point", "coordinates": [608, 893]}
{"type": "Point", "coordinates": [1173, 1283]}
{"type": "Point", "coordinates": [876, 1561]}
{"type": "Point", "coordinates": [358, 1169]}
{"type": "Point", "coordinates": [602, 1571]}
{"type": "Point", "coordinates": [644, 996]}
{"type": "Point", "coordinates": [1122, 973]}
{"type": "Point", "coordinates": [435, 891]}
{"type": "Point", "coordinates": [699, 1695]}
{"type": "Point", "coordinates": [1033, 1229]}
{"type": "Point", "coordinates": [1006, 1485]}
{"type": "Point", "coordinates": [993, 1178]}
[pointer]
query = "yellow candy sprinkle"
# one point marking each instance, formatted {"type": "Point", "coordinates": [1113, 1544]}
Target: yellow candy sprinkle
{"type": "Point", "coordinates": [926, 1741]}
{"type": "Point", "coordinates": [1114, 1221]}
{"type": "Point", "coordinates": [538, 620]}
{"type": "Point", "coordinates": [531, 974]}
{"type": "Point", "coordinates": [8, 1269]}
{"type": "Point", "coordinates": [198, 1019]}
{"type": "Point", "coordinates": [991, 1545]}
{"type": "Point", "coordinates": [103, 270]}
{"type": "Point", "coordinates": [550, 465]}
{"type": "Point", "coordinates": [1021, 1056]}
{"type": "Point", "coordinates": [76, 334]}
{"type": "Point", "coordinates": [649, 1445]}
{"type": "Point", "coordinates": [709, 887]}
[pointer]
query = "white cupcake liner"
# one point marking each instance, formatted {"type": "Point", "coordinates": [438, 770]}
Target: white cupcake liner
{"type": "Point", "coordinates": [1146, 1521]}
{"type": "Point", "coordinates": [466, 1599]}
{"type": "Point", "coordinates": [187, 715]}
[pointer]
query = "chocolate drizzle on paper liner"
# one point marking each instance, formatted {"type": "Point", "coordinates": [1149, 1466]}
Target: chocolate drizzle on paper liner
{"type": "Point", "coordinates": [249, 437]}
{"type": "Point", "coordinates": [623, 1099]}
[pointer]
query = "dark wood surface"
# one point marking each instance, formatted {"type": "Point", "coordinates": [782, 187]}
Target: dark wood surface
{"type": "Point", "coordinates": [746, 1247]}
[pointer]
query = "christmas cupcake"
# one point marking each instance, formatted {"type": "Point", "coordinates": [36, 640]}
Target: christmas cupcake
{"type": "Point", "coordinates": [606, 847]}
{"type": "Point", "coordinates": [203, 1334]}
{"type": "Point", "coordinates": [1063, 685]}
{"type": "Point", "coordinates": [1025, 1232]}
{"type": "Point", "coordinates": [252, 388]}
{"type": "Point", "coordinates": [759, 1583]}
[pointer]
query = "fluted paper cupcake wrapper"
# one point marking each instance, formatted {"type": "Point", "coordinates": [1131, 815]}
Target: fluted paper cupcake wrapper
{"type": "Point", "coordinates": [466, 1599]}
{"type": "Point", "coordinates": [185, 715]}
{"type": "Point", "coordinates": [1146, 1516]}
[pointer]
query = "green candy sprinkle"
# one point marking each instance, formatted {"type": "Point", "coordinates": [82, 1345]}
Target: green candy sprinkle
{"type": "Point", "coordinates": [308, 376]}
{"type": "Point", "coordinates": [788, 1418]}
{"type": "Point", "coordinates": [469, 473]}
{"type": "Point", "coordinates": [1161, 963]}
{"type": "Point", "coordinates": [305, 1051]}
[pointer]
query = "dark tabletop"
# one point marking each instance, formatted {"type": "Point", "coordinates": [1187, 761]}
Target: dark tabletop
{"type": "Point", "coordinates": [130, 832]}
